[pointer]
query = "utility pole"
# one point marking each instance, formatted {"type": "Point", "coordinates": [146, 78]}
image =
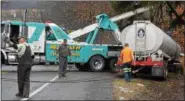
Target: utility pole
{"type": "Point", "coordinates": [24, 27]}
{"type": "Point", "coordinates": [14, 16]}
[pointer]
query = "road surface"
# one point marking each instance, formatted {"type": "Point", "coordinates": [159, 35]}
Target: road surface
{"type": "Point", "coordinates": [76, 86]}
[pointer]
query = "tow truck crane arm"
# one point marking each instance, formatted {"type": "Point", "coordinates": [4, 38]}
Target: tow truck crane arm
{"type": "Point", "coordinates": [106, 24]}
{"type": "Point", "coordinates": [92, 27]}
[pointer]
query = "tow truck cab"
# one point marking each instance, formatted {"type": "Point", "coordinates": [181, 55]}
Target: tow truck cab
{"type": "Point", "coordinates": [37, 35]}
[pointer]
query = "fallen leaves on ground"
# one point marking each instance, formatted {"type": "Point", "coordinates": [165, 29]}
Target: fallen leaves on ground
{"type": "Point", "coordinates": [149, 88]}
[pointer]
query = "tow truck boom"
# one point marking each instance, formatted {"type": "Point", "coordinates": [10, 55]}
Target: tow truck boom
{"type": "Point", "coordinates": [92, 27]}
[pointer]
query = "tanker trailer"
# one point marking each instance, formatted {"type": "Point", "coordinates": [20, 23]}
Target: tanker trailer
{"type": "Point", "coordinates": [153, 48]}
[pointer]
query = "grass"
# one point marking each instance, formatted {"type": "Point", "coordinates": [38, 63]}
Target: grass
{"type": "Point", "coordinates": [153, 89]}
{"type": "Point", "coordinates": [131, 89]}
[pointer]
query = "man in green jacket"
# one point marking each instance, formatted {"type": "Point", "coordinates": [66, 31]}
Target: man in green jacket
{"type": "Point", "coordinates": [63, 51]}
{"type": "Point", "coordinates": [25, 62]}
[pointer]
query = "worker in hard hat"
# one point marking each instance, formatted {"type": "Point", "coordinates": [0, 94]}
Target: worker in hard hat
{"type": "Point", "coordinates": [127, 57]}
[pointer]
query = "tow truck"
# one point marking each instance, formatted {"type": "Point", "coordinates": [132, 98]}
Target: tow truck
{"type": "Point", "coordinates": [44, 39]}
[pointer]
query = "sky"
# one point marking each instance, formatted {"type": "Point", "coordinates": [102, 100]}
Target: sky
{"type": "Point", "coordinates": [19, 5]}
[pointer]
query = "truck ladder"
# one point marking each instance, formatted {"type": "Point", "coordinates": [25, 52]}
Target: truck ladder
{"type": "Point", "coordinates": [140, 39]}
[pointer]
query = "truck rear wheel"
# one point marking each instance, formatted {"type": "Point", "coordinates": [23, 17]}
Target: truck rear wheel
{"type": "Point", "coordinates": [160, 72]}
{"type": "Point", "coordinates": [112, 65]}
{"type": "Point", "coordinates": [81, 67]}
{"type": "Point", "coordinates": [2, 58]}
{"type": "Point", "coordinates": [6, 61]}
{"type": "Point", "coordinates": [165, 71]}
{"type": "Point", "coordinates": [97, 63]}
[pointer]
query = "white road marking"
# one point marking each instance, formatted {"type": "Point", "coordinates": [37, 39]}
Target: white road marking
{"type": "Point", "coordinates": [39, 89]}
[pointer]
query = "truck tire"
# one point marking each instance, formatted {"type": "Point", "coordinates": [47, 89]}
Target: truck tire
{"type": "Point", "coordinates": [2, 59]}
{"type": "Point", "coordinates": [165, 70]}
{"type": "Point", "coordinates": [6, 62]}
{"type": "Point", "coordinates": [112, 64]}
{"type": "Point", "coordinates": [81, 67]}
{"type": "Point", "coordinates": [160, 72]}
{"type": "Point", "coordinates": [97, 63]}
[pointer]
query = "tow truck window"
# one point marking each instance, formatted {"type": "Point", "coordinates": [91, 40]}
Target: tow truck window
{"type": "Point", "coordinates": [60, 34]}
{"type": "Point", "coordinates": [14, 33]}
{"type": "Point", "coordinates": [50, 35]}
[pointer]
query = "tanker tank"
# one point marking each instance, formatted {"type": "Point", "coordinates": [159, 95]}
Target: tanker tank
{"type": "Point", "coordinates": [144, 36]}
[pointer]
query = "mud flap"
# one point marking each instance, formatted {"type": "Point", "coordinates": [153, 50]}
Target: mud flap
{"type": "Point", "coordinates": [157, 71]}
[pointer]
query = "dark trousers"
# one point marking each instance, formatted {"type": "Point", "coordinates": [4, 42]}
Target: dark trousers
{"type": "Point", "coordinates": [62, 65]}
{"type": "Point", "coordinates": [127, 76]}
{"type": "Point", "coordinates": [127, 71]}
{"type": "Point", "coordinates": [23, 74]}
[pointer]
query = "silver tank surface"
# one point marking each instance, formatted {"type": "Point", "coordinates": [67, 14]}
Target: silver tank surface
{"type": "Point", "coordinates": [144, 36]}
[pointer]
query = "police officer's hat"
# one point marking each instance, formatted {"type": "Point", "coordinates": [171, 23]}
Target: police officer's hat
{"type": "Point", "coordinates": [20, 37]}
{"type": "Point", "coordinates": [65, 40]}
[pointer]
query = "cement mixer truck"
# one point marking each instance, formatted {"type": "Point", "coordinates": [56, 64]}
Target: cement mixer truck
{"type": "Point", "coordinates": [153, 48]}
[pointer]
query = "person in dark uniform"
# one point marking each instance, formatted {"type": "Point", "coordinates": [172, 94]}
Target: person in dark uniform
{"type": "Point", "coordinates": [25, 62]}
{"type": "Point", "coordinates": [63, 51]}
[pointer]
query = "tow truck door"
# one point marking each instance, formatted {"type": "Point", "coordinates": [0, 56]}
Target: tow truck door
{"type": "Point", "coordinates": [36, 36]}
{"type": "Point", "coordinates": [54, 37]}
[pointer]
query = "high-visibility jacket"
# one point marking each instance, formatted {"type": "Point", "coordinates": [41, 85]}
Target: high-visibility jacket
{"type": "Point", "coordinates": [126, 55]}
{"type": "Point", "coordinates": [126, 69]}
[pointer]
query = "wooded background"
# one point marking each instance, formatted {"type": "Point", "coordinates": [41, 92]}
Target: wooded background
{"type": "Point", "coordinates": [168, 15]}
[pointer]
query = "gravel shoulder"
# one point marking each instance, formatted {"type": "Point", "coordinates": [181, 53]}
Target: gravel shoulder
{"type": "Point", "coordinates": [147, 88]}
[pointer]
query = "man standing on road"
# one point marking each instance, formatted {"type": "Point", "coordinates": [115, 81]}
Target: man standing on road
{"type": "Point", "coordinates": [63, 51]}
{"type": "Point", "coordinates": [127, 57]}
{"type": "Point", "coordinates": [25, 62]}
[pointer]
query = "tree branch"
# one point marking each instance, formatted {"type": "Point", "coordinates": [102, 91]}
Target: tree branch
{"type": "Point", "coordinates": [161, 9]}
{"type": "Point", "coordinates": [173, 11]}
{"type": "Point", "coordinates": [152, 16]}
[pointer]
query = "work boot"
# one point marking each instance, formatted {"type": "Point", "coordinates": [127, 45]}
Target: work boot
{"type": "Point", "coordinates": [18, 94]}
{"type": "Point", "coordinates": [63, 75]}
{"type": "Point", "coordinates": [59, 75]}
{"type": "Point", "coordinates": [25, 96]}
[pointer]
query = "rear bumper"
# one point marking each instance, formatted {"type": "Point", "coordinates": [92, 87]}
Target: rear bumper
{"type": "Point", "coordinates": [148, 62]}
{"type": "Point", "coordinates": [145, 63]}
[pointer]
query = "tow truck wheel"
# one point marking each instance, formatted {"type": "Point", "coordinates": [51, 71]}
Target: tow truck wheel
{"type": "Point", "coordinates": [97, 63]}
{"type": "Point", "coordinates": [6, 61]}
{"type": "Point", "coordinates": [81, 67]}
{"type": "Point", "coordinates": [2, 58]}
{"type": "Point", "coordinates": [112, 65]}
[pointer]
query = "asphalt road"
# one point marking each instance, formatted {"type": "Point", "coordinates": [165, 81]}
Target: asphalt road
{"type": "Point", "coordinates": [76, 86]}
